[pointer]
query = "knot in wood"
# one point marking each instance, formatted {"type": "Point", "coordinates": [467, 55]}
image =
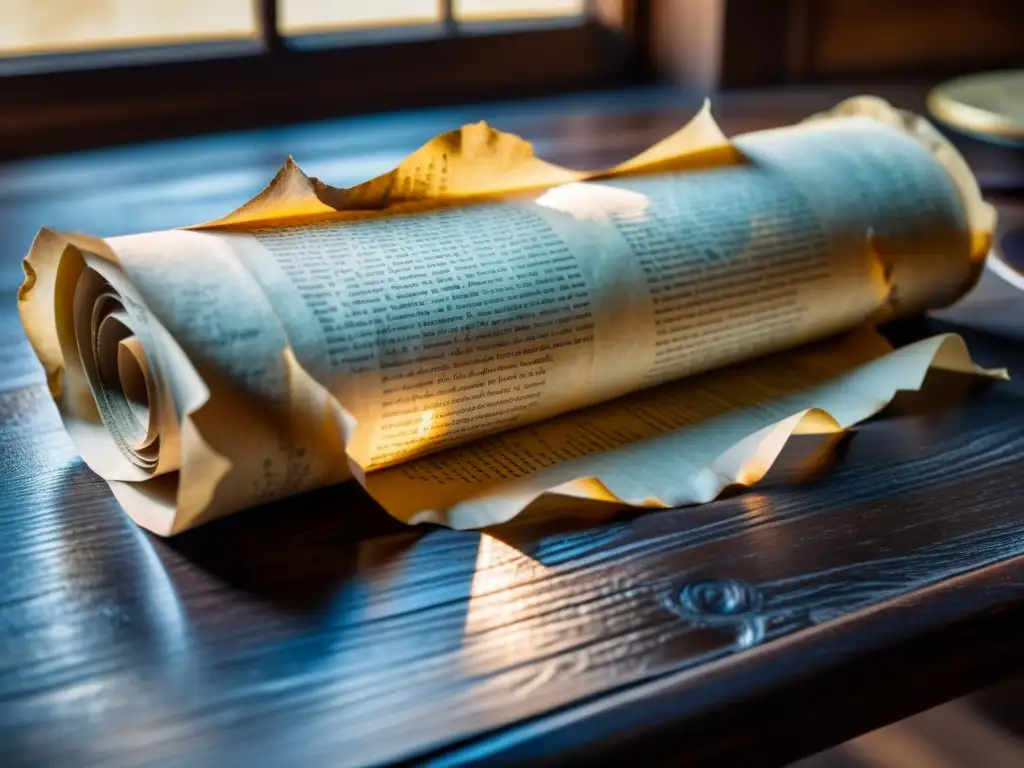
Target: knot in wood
{"type": "Point", "coordinates": [720, 597]}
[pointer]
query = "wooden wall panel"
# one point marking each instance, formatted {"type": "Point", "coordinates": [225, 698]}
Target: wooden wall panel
{"type": "Point", "coordinates": [709, 44]}
{"type": "Point", "coordinates": [853, 37]}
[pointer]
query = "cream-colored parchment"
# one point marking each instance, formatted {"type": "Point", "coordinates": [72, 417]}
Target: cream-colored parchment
{"type": "Point", "coordinates": [476, 291]}
{"type": "Point", "coordinates": [677, 444]}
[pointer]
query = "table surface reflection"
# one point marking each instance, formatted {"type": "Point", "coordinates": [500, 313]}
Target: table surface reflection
{"type": "Point", "coordinates": [318, 630]}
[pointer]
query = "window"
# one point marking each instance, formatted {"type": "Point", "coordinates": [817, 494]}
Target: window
{"type": "Point", "coordinates": [305, 16]}
{"type": "Point", "coordinates": [77, 73]}
{"type": "Point", "coordinates": [50, 26]}
{"type": "Point", "coordinates": [30, 27]}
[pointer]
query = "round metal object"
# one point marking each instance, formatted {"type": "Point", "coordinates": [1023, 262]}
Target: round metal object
{"type": "Point", "coordinates": [988, 105]}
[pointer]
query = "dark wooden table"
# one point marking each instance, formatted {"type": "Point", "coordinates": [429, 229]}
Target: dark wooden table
{"type": "Point", "coordinates": [318, 631]}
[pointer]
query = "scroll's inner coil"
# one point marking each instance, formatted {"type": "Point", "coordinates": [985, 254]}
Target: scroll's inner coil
{"type": "Point", "coordinates": [131, 372]}
{"type": "Point", "coordinates": [116, 368]}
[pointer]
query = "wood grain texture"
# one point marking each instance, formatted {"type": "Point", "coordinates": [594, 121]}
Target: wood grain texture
{"type": "Point", "coordinates": [319, 631]}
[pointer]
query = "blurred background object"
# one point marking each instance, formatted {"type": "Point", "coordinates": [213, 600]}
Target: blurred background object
{"type": "Point", "coordinates": [745, 43]}
{"type": "Point", "coordinates": [984, 730]}
{"type": "Point", "coordinates": [989, 105]}
{"type": "Point", "coordinates": [78, 73]}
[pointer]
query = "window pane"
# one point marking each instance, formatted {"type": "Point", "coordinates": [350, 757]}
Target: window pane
{"type": "Point", "coordinates": [471, 10]}
{"type": "Point", "coordinates": [320, 15]}
{"type": "Point", "coordinates": [44, 26]}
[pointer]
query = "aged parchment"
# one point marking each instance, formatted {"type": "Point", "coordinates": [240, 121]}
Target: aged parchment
{"type": "Point", "coordinates": [478, 327]}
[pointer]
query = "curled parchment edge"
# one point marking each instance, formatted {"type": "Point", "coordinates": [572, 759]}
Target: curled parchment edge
{"type": "Point", "coordinates": [981, 216]}
{"type": "Point", "coordinates": [745, 462]}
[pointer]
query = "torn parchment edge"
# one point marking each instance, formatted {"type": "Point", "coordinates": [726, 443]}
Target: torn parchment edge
{"type": "Point", "coordinates": [743, 463]}
{"type": "Point", "coordinates": [506, 162]}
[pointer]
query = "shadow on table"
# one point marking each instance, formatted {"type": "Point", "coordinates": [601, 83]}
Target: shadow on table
{"type": "Point", "coordinates": [296, 553]}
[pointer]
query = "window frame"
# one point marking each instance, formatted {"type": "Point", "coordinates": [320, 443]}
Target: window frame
{"type": "Point", "coordinates": [105, 97]}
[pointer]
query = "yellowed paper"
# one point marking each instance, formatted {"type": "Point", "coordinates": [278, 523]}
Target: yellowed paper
{"type": "Point", "coordinates": [201, 372]}
{"type": "Point", "coordinates": [699, 142]}
{"type": "Point", "coordinates": [233, 373]}
{"type": "Point", "coordinates": [981, 216]}
{"type": "Point", "coordinates": [442, 326]}
{"type": "Point", "coordinates": [681, 443]}
{"type": "Point", "coordinates": [475, 161]}
{"type": "Point", "coordinates": [291, 194]}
